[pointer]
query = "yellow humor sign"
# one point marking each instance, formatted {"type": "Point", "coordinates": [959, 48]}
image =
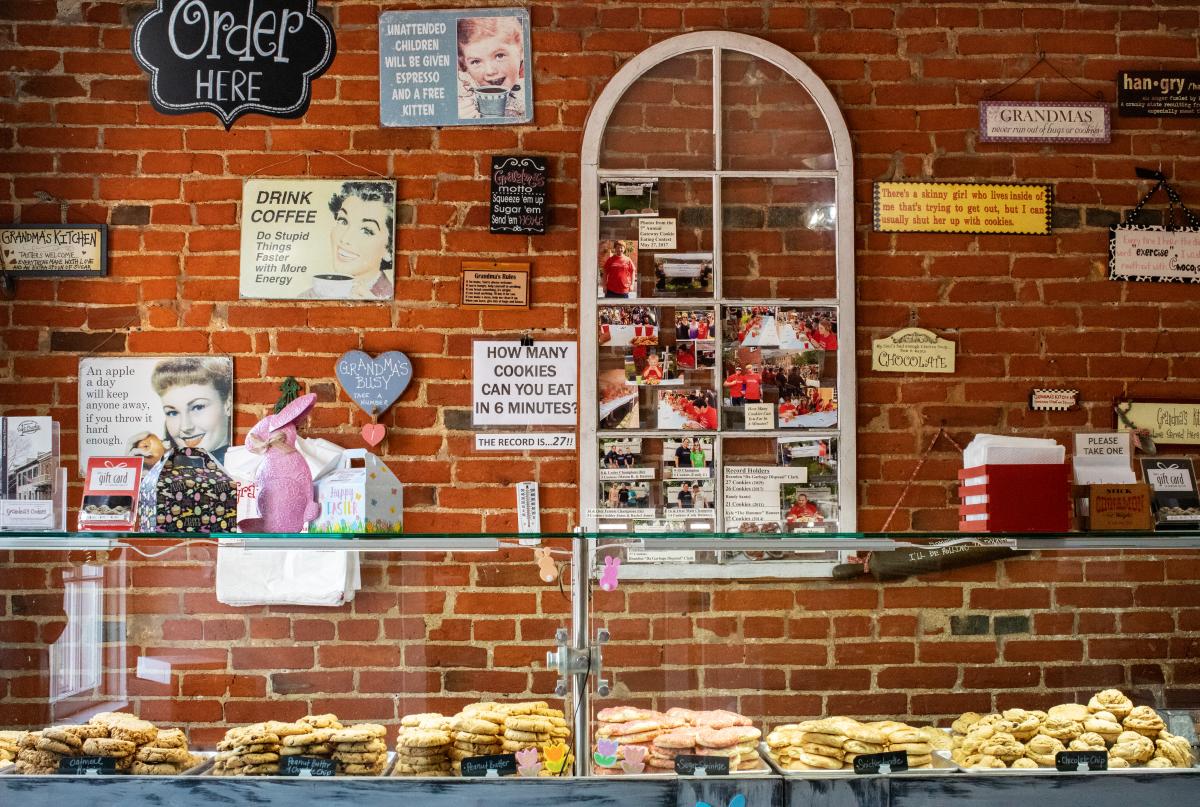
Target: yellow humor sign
{"type": "Point", "coordinates": [969, 207]}
{"type": "Point", "coordinates": [912, 350]}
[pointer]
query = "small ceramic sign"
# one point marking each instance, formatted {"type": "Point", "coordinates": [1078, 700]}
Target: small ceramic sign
{"type": "Point", "coordinates": [912, 350]}
{"type": "Point", "coordinates": [1147, 253]}
{"type": "Point", "coordinates": [374, 383]}
{"type": "Point", "coordinates": [518, 198]}
{"type": "Point", "coordinates": [1044, 122]}
{"type": "Point", "coordinates": [1053, 400]}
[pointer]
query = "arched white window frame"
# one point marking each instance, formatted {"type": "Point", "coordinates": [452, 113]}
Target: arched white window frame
{"type": "Point", "coordinates": [843, 176]}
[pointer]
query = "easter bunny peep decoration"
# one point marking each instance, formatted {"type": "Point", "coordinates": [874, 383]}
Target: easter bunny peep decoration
{"type": "Point", "coordinates": [283, 482]}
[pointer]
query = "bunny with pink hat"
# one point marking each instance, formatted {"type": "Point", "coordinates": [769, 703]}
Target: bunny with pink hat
{"type": "Point", "coordinates": [283, 482]}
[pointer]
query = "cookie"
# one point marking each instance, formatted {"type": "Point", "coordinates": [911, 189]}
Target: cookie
{"type": "Point", "coordinates": [965, 721]}
{"type": "Point", "coordinates": [1042, 749]}
{"type": "Point", "coordinates": [524, 736]}
{"type": "Point", "coordinates": [326, 721]}
{"type": "Point", "coordinates": [1024, 762]}
{"type": "Point", "coordinates": [1105, 724]}
{"type": "Point", "coordinates": [285, 729]}
{"type": "Point", "coordinates": [1160, 762]}
{"type": "Point", "coordinates": [1133, 746]}
{"type": "Point", "coordinates": [1069, 711]}
{"type": "Point", "coordinates": [55, 747]}
{"type": "Point", "coordinates": [374, 747]}
{"type": "Point", "coordinates": [266, 769]}
{"type": "Point", "coordinates": [107, 747]}
{"type": "Point", "coordinates": [152, 754]}
{"type": "Point", "coordinates": [60, 735]}
{"type": "Point", "coordinates": [135, 731]}
{"type": "Point", "coordinates": [363, 770]}
{"type": "Point", "coordinates": [153, 769]}
{"type": "Point", "coordinates": [1112, 701]}
{"type": "Point", "coordinates": [423, 738]}
{"type": "Point", "coordinates": [87, 731]}
{"type": "Point", "coordinates": [1088, 741]}
{"type": "Point", "coordinates": [1144, 721]}
{"type": "Point", "coordinates": [171, 738]}
{"type": "Point", "coordinates": [819, 762]}
{"type": "Point", "coordinates": [540, 725]}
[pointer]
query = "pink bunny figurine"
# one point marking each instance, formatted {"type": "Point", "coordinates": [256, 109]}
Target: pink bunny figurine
{"type": "Point", "coordinates": [608, 578]}
{"type": "Point", "coordinates": [283, 483]}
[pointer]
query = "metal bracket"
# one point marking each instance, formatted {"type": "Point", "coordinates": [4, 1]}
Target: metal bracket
{"type": "Point", "coordinates": [571, 661]}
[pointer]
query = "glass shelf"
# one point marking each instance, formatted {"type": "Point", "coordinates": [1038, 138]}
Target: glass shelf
{"type": "Point", "coordinates": [425, 542]}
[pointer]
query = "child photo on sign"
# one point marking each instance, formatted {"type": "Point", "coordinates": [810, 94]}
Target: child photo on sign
{"type": "Point", "coordinates": [491, 68]}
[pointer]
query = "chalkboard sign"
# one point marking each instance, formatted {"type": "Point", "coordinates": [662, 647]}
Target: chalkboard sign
{"type": "Point", "coordinates": [1158, 93]}
{"type": "Point", "coordinates": [84, 766]}
{"type": "Point", "coordinates": [895, 761]}
{"type": "Point", "coordinates": [1090, 760]}
{"type": "Point", "coordinates": [686, 765]}
{"type": "Point", "coordinates": [306, 766]}
{"type": "Point", "coordinates": [518, 203]}
{"type": "Point", "coordinates": [374, 383]}
{"type": "Point", "coordinates": [230, 57]}
{"type": "Point", "coordinates": [502, 764]}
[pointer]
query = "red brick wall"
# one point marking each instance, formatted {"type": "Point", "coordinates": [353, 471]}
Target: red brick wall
{"type": "Point", "coordinates": [81, 143]}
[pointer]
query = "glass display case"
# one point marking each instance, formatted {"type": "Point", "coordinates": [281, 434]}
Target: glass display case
{"type": "Point", "coordinates": [439, 639]}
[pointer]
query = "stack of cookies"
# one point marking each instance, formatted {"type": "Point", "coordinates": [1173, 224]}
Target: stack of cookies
{"type": "Point", "coordinates": [475, 732]}
{"type": "Point", "coordinates": [309, 736]}
{"type": "Point", "coordinates": [679, 731]}
{"type": "Point", "coordinates": [10, 744]}
{"type": "Point", "coordinates": [423, 745]}
{"type": "Point", "coordinates": [1132, 736]}
{"type": "Point", "coordinates": [249, 751]}
{"type": "Point", "coordinates": [824, 745]}
{"type": "Point", "coordinates": [525, 729]}
{"type": "Point", "coordinates": [360, 750]}
{"type": "Point", "coordinates": [906, 738]}
{"type": "Point", "coordinates": [165, 755]}
{"type": "Point", "coordinates": [136, 746]}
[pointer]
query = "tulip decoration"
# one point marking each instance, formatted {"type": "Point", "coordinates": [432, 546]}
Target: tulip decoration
{"type": "Point", "coordinates": [606, 753]}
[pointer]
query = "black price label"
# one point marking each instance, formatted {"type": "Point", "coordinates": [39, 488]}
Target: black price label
{"type": "Point", "coordinates": [502, 764]}
{"type": "Point", "coordinates": [1081, 760]}
{"type": "Point", "coordinates": [84, 766]}
{"type": "Point", "coordinates": [306, 766]}
{"type": "Point", "coordinates": [686, 765]}
{"type": "Point", "coordinates": [894, 761]}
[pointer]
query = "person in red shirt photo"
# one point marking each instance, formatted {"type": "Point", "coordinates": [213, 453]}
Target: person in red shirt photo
{"type": "Point", "coordinates": [737, 386]}
{"type": "Point", "coordinates": [619, 273]}
{"type": "Point", "coordinates": [653, 371]}
{"type": "Point", "coordinates": [823, 336]}
{"type": "Point", "coordinates": [803, 511]}
{"type": "Point", "coordinates": [752, 382]}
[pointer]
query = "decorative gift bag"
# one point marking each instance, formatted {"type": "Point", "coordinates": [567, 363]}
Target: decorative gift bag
{"type": "Point", "coordinates": [194, 494]}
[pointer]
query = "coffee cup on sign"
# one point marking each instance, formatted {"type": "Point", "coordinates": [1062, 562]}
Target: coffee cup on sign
{"type": "Point", "coordinates": [492, 101]}
{"type": "Point", "coordinates": [332, 286]}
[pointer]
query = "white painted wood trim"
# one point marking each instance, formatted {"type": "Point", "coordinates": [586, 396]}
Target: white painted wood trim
{"type": "Point", "coordinates": [843, 174]}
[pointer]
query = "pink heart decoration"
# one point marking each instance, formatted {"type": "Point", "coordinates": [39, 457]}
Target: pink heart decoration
{"type": "Point", "coordinates": [373, 433]}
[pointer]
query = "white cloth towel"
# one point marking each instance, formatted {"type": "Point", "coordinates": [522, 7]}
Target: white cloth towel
{"type": "Point", "coordinates": [286, 576]}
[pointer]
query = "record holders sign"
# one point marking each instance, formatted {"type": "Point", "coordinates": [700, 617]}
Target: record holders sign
{"type": "Point", "coordinates": [1158, 93]}
{"type": "Point", "coordinates": [232, 57]}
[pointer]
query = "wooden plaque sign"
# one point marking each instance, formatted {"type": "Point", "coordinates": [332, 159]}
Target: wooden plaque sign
{"type": "Point", "coordinates": [490, 286]}
{"type": "Point", "coordinates": [963, 207]}
{"type": "Point", "coordinates": [54, 250]}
